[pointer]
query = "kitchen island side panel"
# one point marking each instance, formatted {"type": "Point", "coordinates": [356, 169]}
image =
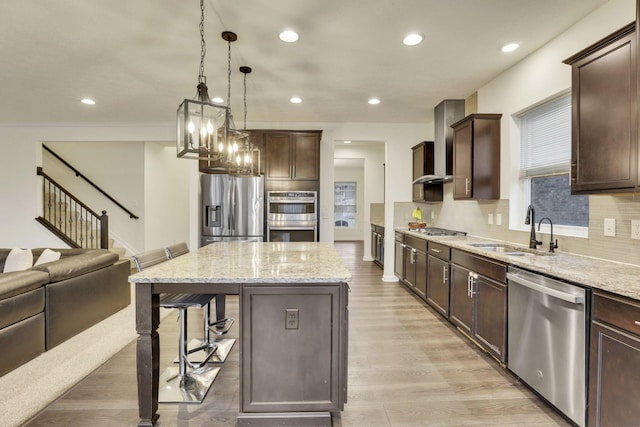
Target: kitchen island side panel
{"type": "Point", "coordinates": [294, 336]}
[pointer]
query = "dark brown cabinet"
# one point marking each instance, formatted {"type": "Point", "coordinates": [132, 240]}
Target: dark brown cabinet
{"type": "Point", "coordinates": [415, 265]}
{"type": "Point", "coordinates": [398, 264]}
{"type": "Point", "coordinates": [438, 278]}
{"type": "Point", "coordinates": [377, 244]}
{"type": "Point", "coordinates": [292, 156]}
{"type": "Point", "coordinates": [614, 380]}
{"type": "Point", "coordinates": [478, 302]}
{"type": "Point", "coordinates": [476, 157]}
{"type": "Point", "coordinates": [604, 146]}
{"type": "Point", "coordinates": [423, 164]}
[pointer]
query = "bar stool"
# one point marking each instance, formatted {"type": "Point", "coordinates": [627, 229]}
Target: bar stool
{"type": "Point", "coordinates": [218, 328]}
{"type": "Point", "coordinates": [190, 382]}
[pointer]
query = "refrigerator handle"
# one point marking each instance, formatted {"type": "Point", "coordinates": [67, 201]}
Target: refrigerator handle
{"type": "Point", "coordinates": [232, 210]}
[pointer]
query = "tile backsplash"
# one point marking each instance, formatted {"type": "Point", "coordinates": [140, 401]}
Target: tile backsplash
{"type": "Point", "coordinates": [472, 216]}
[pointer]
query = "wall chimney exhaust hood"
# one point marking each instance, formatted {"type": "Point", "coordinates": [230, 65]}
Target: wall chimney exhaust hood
{"type": "Point", "coordinates": [445, 114]}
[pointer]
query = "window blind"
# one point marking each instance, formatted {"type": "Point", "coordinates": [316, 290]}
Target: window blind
{"type": "Point", "coordinates": [545, 134]}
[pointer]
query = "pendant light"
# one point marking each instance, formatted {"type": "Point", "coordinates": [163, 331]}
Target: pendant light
{"type": "Point", "coordinates": [230, 139]}
{"type": "Point", "coordinates": [197, 119]}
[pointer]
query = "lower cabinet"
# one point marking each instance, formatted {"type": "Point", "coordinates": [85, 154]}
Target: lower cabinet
{"type": "Point", "coordinates": [438, 278]}
{"type": "Point", "coordinates": [614, 377]}
{"type": "Point", "coordinates": [377, 245]}
{"type": "Point", "coordinates": [415, 265]}
{"type": "Point", "coordinates": [293, 335]}
{"type": "Point", "coordinates": [478, 302]}
{"type": "Point", "coordinates": [398, 260]}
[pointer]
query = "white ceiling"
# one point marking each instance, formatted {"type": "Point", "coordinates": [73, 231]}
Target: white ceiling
{"type": "Point", "coordinates": [140, 58]}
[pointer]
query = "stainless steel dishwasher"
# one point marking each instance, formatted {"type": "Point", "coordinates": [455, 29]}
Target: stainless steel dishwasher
{"type": "Point", "coordinates": [547, 333]}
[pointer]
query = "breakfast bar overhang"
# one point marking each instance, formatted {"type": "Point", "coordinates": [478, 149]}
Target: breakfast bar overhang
{"type": "Point", "coordinates": [293, 326]}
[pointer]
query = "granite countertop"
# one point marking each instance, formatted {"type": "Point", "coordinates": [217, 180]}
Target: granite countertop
{"type": "Point", "coordinates": [619, 278]}
{"type": "Point", "coordinates": [251, 262]}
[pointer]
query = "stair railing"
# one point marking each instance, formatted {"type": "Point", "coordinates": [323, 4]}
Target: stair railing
{"type": "Point", "coordinates": [70, 219]}
{"type": "Point", "coordinates": [79, 174]}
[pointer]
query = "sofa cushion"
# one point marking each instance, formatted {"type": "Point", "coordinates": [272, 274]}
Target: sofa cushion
{"type": "Point", "coordinates": [47, 256]}
{"type": "Point", "coordinates": [18, 260]}
{"type": "Point", "coordinates": [72, 266]}
{"type": "Point", "coordinates": [22, 306]}
{"type": "Point", "coordinates": [19, 282]}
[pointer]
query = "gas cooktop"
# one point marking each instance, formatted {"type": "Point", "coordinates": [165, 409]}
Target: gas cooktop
{"type": "Point", "coordinates": [435, 231]}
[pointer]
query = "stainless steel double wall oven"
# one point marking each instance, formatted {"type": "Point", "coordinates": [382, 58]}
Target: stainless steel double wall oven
{"type": "Point", "coordinates": [292, 216]}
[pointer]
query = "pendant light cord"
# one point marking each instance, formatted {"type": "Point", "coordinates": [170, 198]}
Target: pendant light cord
{"type": "Point", "coordinates": [229, 77]}
{"type": "Point", "coordinates": [203, 45]}
{"type": "Point", "coordinates": [244, 97]}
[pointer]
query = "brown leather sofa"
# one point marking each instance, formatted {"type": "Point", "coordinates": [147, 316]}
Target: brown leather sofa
{"type": "Point", "coordinates": [49, 303]}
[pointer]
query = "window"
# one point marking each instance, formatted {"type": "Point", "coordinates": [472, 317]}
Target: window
{"type": "Point", "coordinates": [345, 204]}
{"type": "Point", "coordinates": [545, 154]}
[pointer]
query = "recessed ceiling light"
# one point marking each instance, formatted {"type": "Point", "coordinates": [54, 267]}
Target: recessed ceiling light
{"type": "Point", "coordinates": [509, 47]}
{"type": "Point", "coordinates": [295, 100]}
{"type": "Point", "coordinates": [374, 101]}
{"type": "Point", "coordinates": [88, 101]}
{"type": "Point", "coordinates": [413, 39]}
{"type": "Point", "coordinates": [347, 142]}
{"type": "Point", "coordinates": [217, 100]}
{"type": "Point", "coordinates": [289, 36]}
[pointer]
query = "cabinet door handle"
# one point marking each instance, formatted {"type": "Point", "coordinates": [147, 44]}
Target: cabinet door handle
{"type": "Point", "coordinates": [444, 275]}
{"type": "Point", "coordinates": [637, 322]}
{"type": "Point", "coordinates": [413, 256]}
{"type": "Point", "coordinates": [467, 181]}
{"type": "Point", "coordinates": [469, 285]}
{"type": "Point", "coordinates": [435, 250]}
{"type": "Point", "coordinates": [472, 278]}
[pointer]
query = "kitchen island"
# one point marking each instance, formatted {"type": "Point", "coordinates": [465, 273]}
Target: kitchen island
{"type": "Point", "coordinates": [293, 326]}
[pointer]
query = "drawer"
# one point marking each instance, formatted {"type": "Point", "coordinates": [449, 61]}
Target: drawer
{"type": "Point", "coordinates": [416, 243]}
{"type": "Point", "coordinates": [617, 311]}
{"type": "Point", "coordinates": [399, 237]}
{"type": "Point", "coordinates": [440, 251]}
{"type": "Point", "coordinates": [484, 266]}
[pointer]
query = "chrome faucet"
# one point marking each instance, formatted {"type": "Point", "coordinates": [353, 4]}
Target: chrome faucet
{"type": "Point", "coordinates": [531, 219]}
{"type": "Point", "coordinates": [552, 245]}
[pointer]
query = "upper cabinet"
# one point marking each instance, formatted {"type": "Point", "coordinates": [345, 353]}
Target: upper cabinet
{"type": "Point", "coordinates": [292, 156]}
{"type": "Point", "coordinates": [423, 164]}
{"type": "Point", "coordinates": [604, 148]}
{"type": "Point", "coordinates": [476, 157]}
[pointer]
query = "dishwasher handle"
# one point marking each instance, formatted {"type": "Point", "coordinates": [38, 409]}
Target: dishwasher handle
{"type": "Point", "coordinates": [574, 299]}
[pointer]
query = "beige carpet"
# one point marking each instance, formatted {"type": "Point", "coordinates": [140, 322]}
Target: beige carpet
{"type": "Point", "coordinates": [31, 387]}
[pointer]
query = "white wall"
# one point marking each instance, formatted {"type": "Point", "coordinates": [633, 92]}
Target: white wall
{"type": "Point", "coordinates": [125, 183]}
{"type": "Point", "coordinates": [166, 196]}
{"type": "Point", "coordinates": [20, 187]}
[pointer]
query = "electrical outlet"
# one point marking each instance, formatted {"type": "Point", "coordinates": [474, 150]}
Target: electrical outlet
{"type": "Point", "coordinates": [635, 229]}
{"type": "Point", "coordinates": [490, 219]}
{"type": "Point", "coordinates": [610, 227]}
{"type": "Point", "coordinates": [433, 215]}
{"type": "Point", "coordinates": [498, 219]}
{"type": "Point", "coordinates": [292, 318]}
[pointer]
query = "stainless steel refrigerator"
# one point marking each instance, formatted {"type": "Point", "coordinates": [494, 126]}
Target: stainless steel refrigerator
{"type": "Point", "coordinates": [232, 208]}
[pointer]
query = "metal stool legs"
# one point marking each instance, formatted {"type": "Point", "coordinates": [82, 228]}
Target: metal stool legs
{"type": "Point", "coordinates": [190, 382]}
{"type": "Point", "coordinates": [212, 337]}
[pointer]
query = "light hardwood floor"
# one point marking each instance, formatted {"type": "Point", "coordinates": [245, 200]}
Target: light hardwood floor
{"type": "Point", "coordinates": [407, 367]}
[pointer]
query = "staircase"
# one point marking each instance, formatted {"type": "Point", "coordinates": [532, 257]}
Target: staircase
{"type": "Point", "coordinates": [72, 221]}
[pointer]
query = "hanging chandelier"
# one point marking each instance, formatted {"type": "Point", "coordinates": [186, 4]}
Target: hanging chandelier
{"type": "Point", "coordinates": [198, 119]}
{"type": "Point", "coordinates": [232, 142]}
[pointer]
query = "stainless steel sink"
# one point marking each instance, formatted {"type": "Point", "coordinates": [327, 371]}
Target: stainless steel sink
{"type": "Point", "coordinates": [506, 249]}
